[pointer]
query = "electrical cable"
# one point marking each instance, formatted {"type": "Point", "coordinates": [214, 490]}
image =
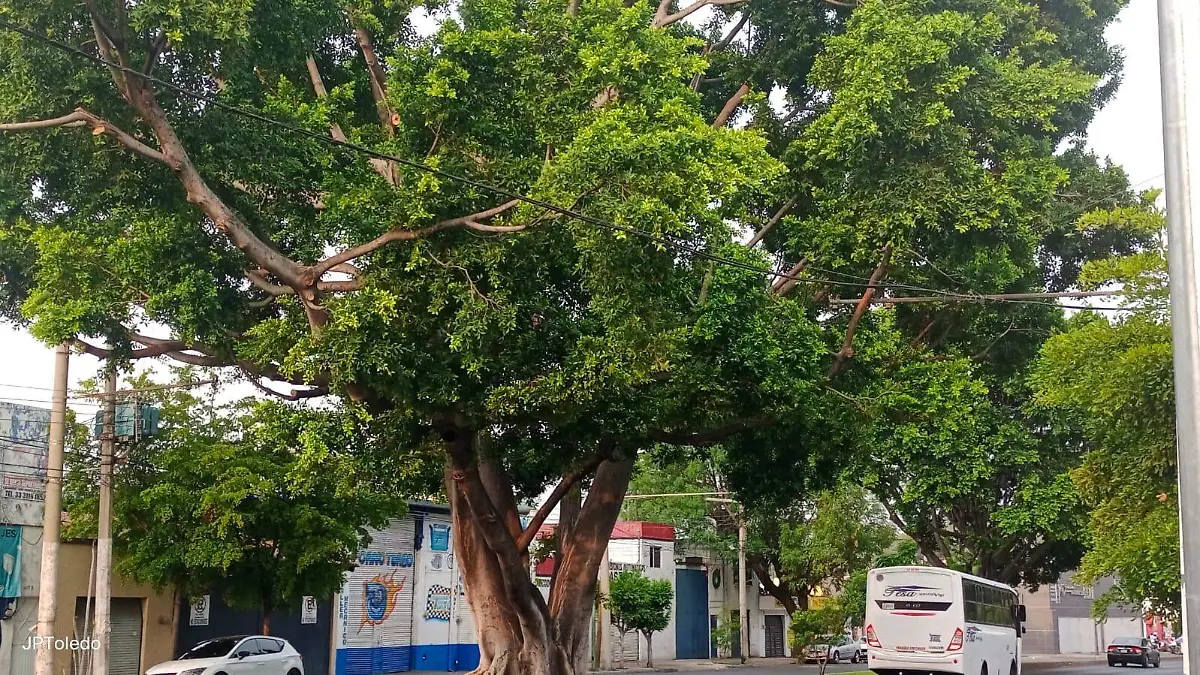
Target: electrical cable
{"type": "Point", "coordinates": [562, 211]}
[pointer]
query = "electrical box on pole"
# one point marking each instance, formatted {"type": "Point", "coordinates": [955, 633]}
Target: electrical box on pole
{"type": "Point", "coordinates": [134, 422]}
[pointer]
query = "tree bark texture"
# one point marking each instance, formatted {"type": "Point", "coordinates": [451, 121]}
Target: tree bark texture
{"type": "Point", "coordinates": [520, 632]}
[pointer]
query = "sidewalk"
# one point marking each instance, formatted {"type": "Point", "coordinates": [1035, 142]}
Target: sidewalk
{"type": "Point", "coordinates": [700, 665]}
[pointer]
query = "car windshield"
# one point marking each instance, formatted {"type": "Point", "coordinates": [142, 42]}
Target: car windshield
{"type": "Point", "coordinates": [211, 648]}
{"type": "Point", "coordinates": [1130, 641]}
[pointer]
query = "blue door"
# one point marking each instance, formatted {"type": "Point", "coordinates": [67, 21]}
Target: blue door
{"type": "Point", "coordinates": [691, 614]}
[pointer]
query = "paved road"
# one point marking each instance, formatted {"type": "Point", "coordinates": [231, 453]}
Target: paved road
{"type": "Point", "coordinates": [1170, 666]}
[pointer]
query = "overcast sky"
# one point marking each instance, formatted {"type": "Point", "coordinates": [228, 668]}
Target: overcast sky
{"type": "Point", "coordinates": [1129, 131]}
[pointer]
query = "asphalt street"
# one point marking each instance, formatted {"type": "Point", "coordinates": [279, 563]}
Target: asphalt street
{"type": "Point", "coordinates": [1170, 666]}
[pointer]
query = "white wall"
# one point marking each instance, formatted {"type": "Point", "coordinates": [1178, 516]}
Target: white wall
{"type": "Point", "coordinates": [664, 641]}
{"type": "Point", "coordinates": [444, 574]}
{"type": "Point", "coordinates": [637, 552]}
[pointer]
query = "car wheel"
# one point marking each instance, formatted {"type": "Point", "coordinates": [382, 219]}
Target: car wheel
{"type": "Point", "coordinates": [835, 658]}
{"type": "Point", "coordinates": [293, 671]}
{"type": "Point", "coordinates": [856, 658]}
{"type": "Point", "coordinates": [1145, 661]}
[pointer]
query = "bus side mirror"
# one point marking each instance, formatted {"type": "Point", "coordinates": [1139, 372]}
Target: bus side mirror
{"type": "Point", "coordinates": [1019, 612]}
{"type": "Point", "coordinates": [1024, 630]}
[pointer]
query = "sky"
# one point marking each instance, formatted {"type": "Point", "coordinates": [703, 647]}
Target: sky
{"type": "Point", "coordinates": [1128, 130]}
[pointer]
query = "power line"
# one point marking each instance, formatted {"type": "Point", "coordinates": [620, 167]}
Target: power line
{"type": "Point", "coordinates": [562, 211]}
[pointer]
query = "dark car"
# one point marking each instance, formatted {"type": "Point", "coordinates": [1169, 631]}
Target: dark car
{"type": "Point", "coordinates": [1133, 650]}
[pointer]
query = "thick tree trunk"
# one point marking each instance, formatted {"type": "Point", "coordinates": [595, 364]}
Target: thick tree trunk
{"type": "Point", "coordinates": [519, 632]}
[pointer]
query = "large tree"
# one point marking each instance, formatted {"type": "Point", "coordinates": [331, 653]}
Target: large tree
{"type": "Point", "coordinates": [361, 234]}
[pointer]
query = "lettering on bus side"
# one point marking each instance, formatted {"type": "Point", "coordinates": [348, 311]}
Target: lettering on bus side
{"type": "Point", "coordinates": [913, 591]}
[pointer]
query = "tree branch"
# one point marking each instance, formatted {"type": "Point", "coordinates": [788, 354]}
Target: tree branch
{"type": "Point", "coordinates": [564, 486]}
{"type": "Point", "coordinates": [758, 236]}
{"type": "Point", "coordinates": [314, 74]}
{"type": "Point", "coordinates": [376, 75]}
{"type": "Point", "coordinates": [864, 303]}
{"type": "Point", "coordinates": [294, 395]}
{"type": "Point", "coordinates": [733, 33]}
{"type": "Point", "coordinates": [223, 217]}
{"type": "Point", "coordinates": [470, 221]}
{"type": "Point", "coordinates": [156, 50]}
{"type": "Point", "coordinates": [784, 285]}
{"type": "Point", "coordinates": [926, 551]}
{"type": "Point", "coordinates": [663, 18]}
{"type": "Point", "coordinates": [81, 118]}
{"type": "Point", "coordinates": [731, 105]}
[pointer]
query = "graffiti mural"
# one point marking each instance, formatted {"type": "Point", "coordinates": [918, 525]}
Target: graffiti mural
{"type": "Point", "coordinates": [439, 537]}
{"type": "Point", "coordinates": [438, 603]}
{"type": "Point", "coordinates": [379, 598]}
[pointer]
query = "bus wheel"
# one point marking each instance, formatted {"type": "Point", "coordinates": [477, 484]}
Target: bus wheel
{"type": "Point", "coordinates": [1012, 668]}
{"type": "Point", "coordinates": [983, 671]}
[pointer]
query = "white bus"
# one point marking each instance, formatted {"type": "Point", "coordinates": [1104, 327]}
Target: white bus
{"type": "Point", "coordinates": [934, 620]}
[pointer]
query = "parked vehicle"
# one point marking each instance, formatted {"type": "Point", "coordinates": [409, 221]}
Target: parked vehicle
{"type": "Point", "coordinates": [1133, 650]}
{"type": "Point", "coordinates": [929, 619]}
{"type": "Point", "coordinates": [848, 649]}
{"type": "Point", "coordinates": [820, 650]}
{"type": "Point", "coordinates": [235, 655]}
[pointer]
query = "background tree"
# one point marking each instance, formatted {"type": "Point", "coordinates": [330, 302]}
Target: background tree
{"type": "Point", "coordinates": [1109, 382]}
{"type": "Point", "coordinates": [853, 598]}
{"type": "Point", "coordinates": [223, 499]}
{"type": "Point", "coordinates": [638, 603]}
{"type": "Point", "coordinates": [792, 549]}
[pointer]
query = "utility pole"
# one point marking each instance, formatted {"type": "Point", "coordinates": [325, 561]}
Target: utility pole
{"type": "Point", "coordinates": [1179, 59]}
{"type": "Point", "coordinates": [604, 649]}
{"type": "Point", "coordinates": [743, 615]}
{"type": "Point", "coordinates": [43, 663]}
{"type": "Point", "coordinates": [104, 534]}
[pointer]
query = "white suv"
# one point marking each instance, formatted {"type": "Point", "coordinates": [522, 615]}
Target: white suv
{"type": "Point", "coordinates": [235, 655]}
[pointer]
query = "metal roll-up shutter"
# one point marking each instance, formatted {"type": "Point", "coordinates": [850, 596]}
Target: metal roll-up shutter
{"type": "Point", "coordinates": [465, 630]}
{"type": "Point", "coordinates": [625, 649]}
{"type": "Point", "coordinates": [17, 631]}
{"type": "Point", "coordinates": [359, 637]}
{"type": "Point", "coordinates": [396, 632]}
{"type": "Point", "coordinates": [125, 640]}
{"type": "Point", "coordinates": [84, 628]}
{"type": "Point", "coordinates": [465, 653]}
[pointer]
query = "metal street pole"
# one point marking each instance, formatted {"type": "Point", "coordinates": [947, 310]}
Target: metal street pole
{"type": "Point", "coordinates": [743, 617]}
{"type": "Point", "coordinates": [104, 527]}
{"type": "Point", "coordinates": [43, 660]}
{"type": "Point", "coordinates": [1179, 58]}
{"type": "Point", "coordinates": [603, 648]}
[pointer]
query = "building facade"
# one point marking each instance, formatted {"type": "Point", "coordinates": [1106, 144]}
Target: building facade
{"type": "Point", "coordinates": [1059, 618]}
{"type": "Point", "coordinates": [143, 621]}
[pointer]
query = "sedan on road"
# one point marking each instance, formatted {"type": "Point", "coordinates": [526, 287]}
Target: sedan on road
{"type": "Point", "coordinates": [836, 650]}
{"type": "Point", "coordinates": [848, 649]}
{"type": "Point", "coordinates": [235, 655]}
{"type": "Point", "coordinates": [1132, 650]}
